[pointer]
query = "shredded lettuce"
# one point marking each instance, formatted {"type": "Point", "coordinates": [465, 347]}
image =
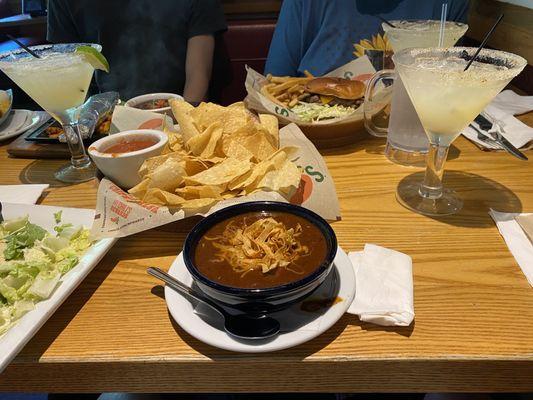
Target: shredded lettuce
{"type": "Point", "coordinates": [32, 262]}
{"type": "Point", "coordinates": [310, 112]}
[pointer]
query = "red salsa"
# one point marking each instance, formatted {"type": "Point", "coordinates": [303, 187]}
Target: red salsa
{"type": "Point", "coordinates": [127, 146]}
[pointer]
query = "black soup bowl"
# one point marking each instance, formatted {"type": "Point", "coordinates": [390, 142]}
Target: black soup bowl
{"type": "Point", "coordinates": [260, 300]}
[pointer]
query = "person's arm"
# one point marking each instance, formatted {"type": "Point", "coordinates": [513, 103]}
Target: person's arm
{"type": "Point", "coordinates": [61, 28]}
{"type": "Point", "coordinates": [205, 21]}
{"type": "Point", "coordinates": [285, 53]}
{"type": "Point", "coordinates": [198, 65]}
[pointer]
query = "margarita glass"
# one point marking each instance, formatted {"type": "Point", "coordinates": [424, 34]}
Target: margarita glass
{"type": "Point", "coordinates": [446, 99]}
{"type": "Point", "coordinates": [407, 143]}
{"type": "Point", "coordinates": [58, 81]}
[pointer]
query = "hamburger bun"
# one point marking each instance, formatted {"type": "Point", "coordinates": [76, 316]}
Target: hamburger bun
{"type": "Point", "coordinates": [337, 87]}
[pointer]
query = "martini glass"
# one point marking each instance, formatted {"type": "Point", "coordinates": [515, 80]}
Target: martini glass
{"type": "Point", "coordinates": [58, 81]}
{"type": "Point", "coordinates": [407, 143]}
{"type": "Point", "coordinates": [446, 99]}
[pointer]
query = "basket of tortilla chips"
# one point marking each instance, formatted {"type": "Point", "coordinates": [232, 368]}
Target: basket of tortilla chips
{"type": "Point", "coordinates": [219, 156]}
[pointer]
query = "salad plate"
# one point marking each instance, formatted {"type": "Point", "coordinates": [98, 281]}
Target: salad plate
{"type": "Point", "coordinates": [18, 332]}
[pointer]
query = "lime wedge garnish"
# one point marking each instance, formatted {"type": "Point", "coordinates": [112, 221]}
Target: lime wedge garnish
{"type": "Point", "coordinates": [94, 57]}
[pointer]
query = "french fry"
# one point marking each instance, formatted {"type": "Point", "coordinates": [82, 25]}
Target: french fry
{"type": "Point", "coordinates": [280, 79]}
{"type": "Point", "coordinates": [308, 74]}
{"type": "Point", "coordinates": [283, 96]}
{"type": "Point", "coordinates": [270, 96]}
{"type": "Point", "coordinates": [295, 88]}
{"type": "Point", "coordinates": [283, 86]}
{"type": "Point", "coordinates": [304, 96]}
{"type": "Point", "coordinates": [293, 102]}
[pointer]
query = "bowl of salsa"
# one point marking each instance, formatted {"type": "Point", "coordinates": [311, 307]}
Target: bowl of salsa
{"type": "Point", "coordinates": [120, 156]}
{"type": "Point", "coordinates": [154, 102]}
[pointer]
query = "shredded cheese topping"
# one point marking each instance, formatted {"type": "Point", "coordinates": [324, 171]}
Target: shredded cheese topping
{"type": "Point", "coordinates": [266, 244]}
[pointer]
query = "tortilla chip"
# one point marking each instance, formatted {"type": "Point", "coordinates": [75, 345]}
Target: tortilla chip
{"type": "Point", "coordinates": [235, 118]}
{"type": "Point", "coordinates": [152, 163]}
{"type": "Point", "coordinates": [205, 144]}
{"type": "Point", "coordinates": [196, 192]}
{"type": "Point", "coordinates": [206, 114]}
{"type": "Point", "coordinates": [251, 180]}
{"type": "Point", "coordinates": [140, 189]}
{"type": "Point", "coordinates": [284, 179]}
{"type": "Point", "coordinates": [162, 197]}
{"type": "Point", "coordinates": [181, 110]}
{"type": "Point", "coordinates": [236, 150]}
{"type": "Point", "coordinates": [259, 145]}
{"type": "Point", "coordinates": [194, 165]}
{"type": "Point", "coordinates": [220, 174]}
{"type": "Point", "coordinates": [198, 203]}
{"type": "Point", "coordinates": [271, 124]}
{"type": "Point", "coordinates": [167, 176]}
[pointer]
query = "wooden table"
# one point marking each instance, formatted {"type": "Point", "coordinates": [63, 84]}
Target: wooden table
{"type": "Point", "coordinates": [473, 329]}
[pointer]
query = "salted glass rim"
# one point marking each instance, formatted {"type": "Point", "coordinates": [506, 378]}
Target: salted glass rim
{"type": "Point", "coordinates": [14, 55]}
{"type": "Point", "coordinates": [453, 25]}
{"type": "Point", "coordinates": [513, 62]}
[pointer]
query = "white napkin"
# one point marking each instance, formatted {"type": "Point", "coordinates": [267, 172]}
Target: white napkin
{"type": "Point", "coordinates": [500, 112]}
{"type": "Point", "coordinates": [511, 103]}
{"type": "Point", "coordinates": [516, 240]}
{"type": "Point", "coordinates": [22, 194]}
{"type": "Point", "coordinates": [384, 286]}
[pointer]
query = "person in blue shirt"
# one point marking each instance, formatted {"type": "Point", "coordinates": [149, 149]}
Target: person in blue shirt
{"type": "Point", "coordinates": [318, 35]}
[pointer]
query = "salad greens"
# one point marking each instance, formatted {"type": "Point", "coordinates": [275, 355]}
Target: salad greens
{"type": "Point", "coordinates": [310, 112]}
{"type": "Point", "coordinates": [32, 262]}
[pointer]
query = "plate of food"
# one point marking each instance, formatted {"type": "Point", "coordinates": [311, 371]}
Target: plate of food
{"type": "Point", "coordinates": [51, 130]}
{"type": "Point", "coordinates": [328, 109]}
{"type": "Point", "coordinates": [264, 258]}
{"type": "Point", "coordinates": [45, 252]}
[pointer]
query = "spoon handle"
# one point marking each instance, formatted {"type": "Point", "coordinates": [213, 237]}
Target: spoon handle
{"type": "Point", "coordinates": [181, 288]}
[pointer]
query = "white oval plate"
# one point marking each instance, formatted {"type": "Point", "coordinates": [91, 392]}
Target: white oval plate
{"type": "Point", "coordinates": [18, 122]}
{"type": "Point", "coordinates": [297, 326]}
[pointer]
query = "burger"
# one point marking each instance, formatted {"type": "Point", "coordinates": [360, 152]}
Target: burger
{"type": "Point", "coordinates": [335, 91]}
{"type": "Point", "coordinates": [326, 98]}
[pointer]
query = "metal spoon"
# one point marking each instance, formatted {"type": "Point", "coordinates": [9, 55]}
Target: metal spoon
{"type": "Point", "coordinates": [241, 326]}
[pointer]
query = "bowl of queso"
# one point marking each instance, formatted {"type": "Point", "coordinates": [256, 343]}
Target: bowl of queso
{"type": "Point", "coordinates": [154, 102]}
{"type": "Point", "coordinates": [260, 256]}
{"type": "Point", "coordinates": [120, 156]}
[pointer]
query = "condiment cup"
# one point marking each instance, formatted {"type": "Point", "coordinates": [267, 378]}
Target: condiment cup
{"type": "Point", "coordinates": [122, 168]}
{"type": "Point", "coordinates": [135, 101]}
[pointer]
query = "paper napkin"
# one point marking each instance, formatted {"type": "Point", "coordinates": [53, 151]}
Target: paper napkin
{"type": "Point", "coordinates": [22, 194]}
{"type": "Point", "coordinates": [516, 240]}
{"type": "Point", "coordinates": [500, 112]}
{"type": "Point", "coordinates": [526, 222]}
{"type": "Point", "coordinates": [384, 286]}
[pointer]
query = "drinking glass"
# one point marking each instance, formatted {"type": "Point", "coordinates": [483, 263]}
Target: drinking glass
{"type": "Point", "coordinates": [446, 99]}
{"type": "Point", "coordinates": [58, 81]}
{"type": "Point", "coordinates": [407, 143]}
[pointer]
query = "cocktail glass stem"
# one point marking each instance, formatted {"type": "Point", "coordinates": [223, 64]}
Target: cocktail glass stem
{"type": "Point", "coordinates": [79, 157]}
{"type": "Point", "coordinates": [431, 187]}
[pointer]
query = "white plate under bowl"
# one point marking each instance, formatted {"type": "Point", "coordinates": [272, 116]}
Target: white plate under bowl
{"type": "Point", "coordinates": [18, 335]}
{"type": "Point", "coordinates": [297, 326]}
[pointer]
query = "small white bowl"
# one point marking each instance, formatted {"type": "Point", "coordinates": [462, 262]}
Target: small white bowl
{"type": "Point", "coordinates": [135, 101]}
{"type": "Point", "coordinates": [122, 168]}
